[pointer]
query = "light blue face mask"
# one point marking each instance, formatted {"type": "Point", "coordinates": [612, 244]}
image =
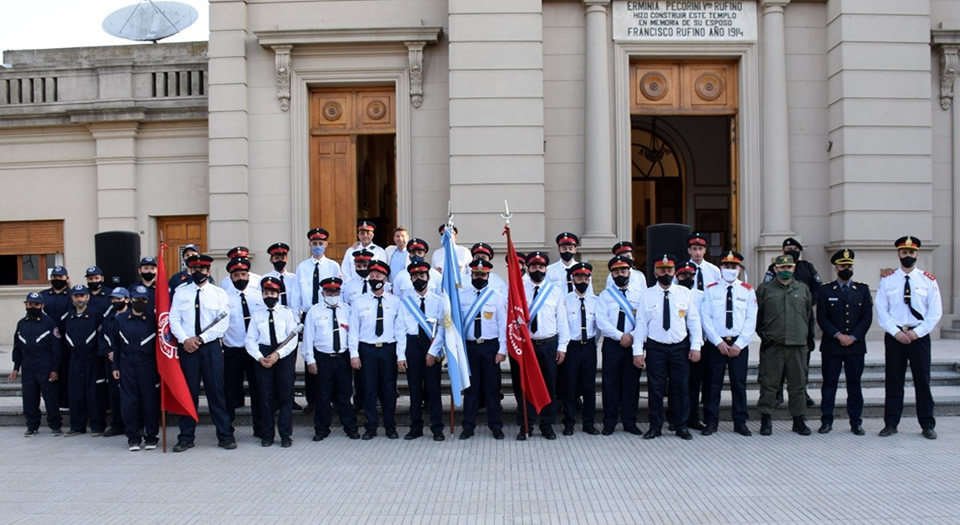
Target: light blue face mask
{"type": "Point", "coordinates": [318, 250]}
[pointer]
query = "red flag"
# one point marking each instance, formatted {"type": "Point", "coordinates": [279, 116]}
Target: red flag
{"type": "Point", "coordinates": [520, 345]}
{"type": "Point", "coordinates": [174, 393]}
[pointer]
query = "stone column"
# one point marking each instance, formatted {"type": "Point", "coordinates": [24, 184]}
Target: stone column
{"type": "Point", "coordinates": [117, 205]}
{"type": "Point", "coordinates": [599, 202]}
{"type": "Point", "coordinates": [948, 47]}
{"type": "Point", "coordinates": [776, 149]}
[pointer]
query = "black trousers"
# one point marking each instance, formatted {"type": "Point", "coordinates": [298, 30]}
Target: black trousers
{"type": "Point", "coordinates": [379, 368]}
{"type": "Point", "coordinates": [621, 385]}
{"type": "Point", "coordinates": [852, 365]}
{"type": "Point", "coordinates": [484, 380]}
{"type": "Point", "coordinates": [35, 378]}
{"type": "Point", "coordinates": [897, 356]}
{"type": "Point", "coordinates": [275, 392]}
{"type": "Point", "coordinates": [719, 366]}
{"type": "Point", "coordinates": [580, 366]}
{"type": "Point", "coordinates": [311, 383]}
{"type": "Point", "coordinates": [423, 380]}
{"type": "Point", "coordinates": [698, 384]}
{"type": "Point", "coordinates": [113, 396]}
{"type": "Point", "coordinates": [668, 362]}
{"type": "Point", "coordinates": [205, 363]}
{"type": "Point", "coordinates": [84, 404]}
{"type": "Point", "coordinates": [546, 351]}
{"type": "Point", "coordinates": [335, 380]}
{"type": "Point", "coordinates": [238, 364]}
{"type": "Point", "coordinates": [140, 393]}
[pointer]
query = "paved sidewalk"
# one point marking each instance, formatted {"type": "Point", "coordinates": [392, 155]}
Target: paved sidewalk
{"type": "Point", "coordinates": [725, 478]}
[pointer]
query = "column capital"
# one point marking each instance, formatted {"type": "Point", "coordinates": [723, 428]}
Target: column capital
{"type": "Point", "coordinates": [773, 5]}
{"type": "Point", "coordinates": [947, 44]}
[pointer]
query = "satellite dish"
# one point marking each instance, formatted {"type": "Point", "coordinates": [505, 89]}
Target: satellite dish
{"type": "Point", "coordinates": [149, 21]}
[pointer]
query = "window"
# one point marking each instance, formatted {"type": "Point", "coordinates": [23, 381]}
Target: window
{"type": "Point", "coordinates": [28, 250]}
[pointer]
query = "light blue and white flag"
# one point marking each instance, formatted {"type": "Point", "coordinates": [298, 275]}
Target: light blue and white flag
{"type": "Point", "coordinates": [454, 341]}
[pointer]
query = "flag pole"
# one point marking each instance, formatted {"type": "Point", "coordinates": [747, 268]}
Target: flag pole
{"type": "Point", "coordinates": [506, 215]}
{"type": "Point", "coordinates": [450, 225]}
{"type": "Point", "coordinates": [163, 402]}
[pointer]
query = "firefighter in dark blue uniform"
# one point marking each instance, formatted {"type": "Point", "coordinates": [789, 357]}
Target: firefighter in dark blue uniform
{"type": "Point", "coordinates": [56, 304]}
{"type": "Point", "coordinates": [148, 278]}
{"type": "Point", "coordinates": [135, 365]}
{"type": "Point", "coordinates": [844, 313]}
{"type": "Point", "coordinates": [119, 303]}
{"type": "Point", "coordinates": [81, 333]}
{"type": "Point", "coordinates": [183, 276]}
{"type": "Point", "coordinates": [99, 294]}
{"type": "Point", "coordinates": [37, 348]}
{"type": "Point", "coordinates": [100, 302]}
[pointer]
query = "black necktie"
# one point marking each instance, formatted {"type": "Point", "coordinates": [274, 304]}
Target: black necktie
{"type": "Point", "coordinates": [273, 332]}
{"type": "Point", "coordinates": [316, 283]}
{"type": "Point", "coordinates": [364, 287]}
{"type": "Point", "coordinates": [622, 317]}
{"type": "Point", "coordinates": [336, 332]}
{"type": "Point", "coordinates": [283, 291]}
{"type": "Point", "coordinates": [569, 282]}
{"type": "Point", "coordinates": [196, 318]}
{"type": "Point", "coordinates": [379, 329]}
{"type": "Point", "coordinates": [533, 323]}
{"type": "Point", "coordinates": [699, 278]}
{"type": "Point", "coordinates": [583, 320]}
{"type": "Point", "coordinates": [423, 308]}
{"type": "Point", "coordinates": [906, 297]}
{"type": "Point", "coordinates": [246, 311]}
{"type": "Point", "coordinates": [666, 310]}
{"type": "Point", "coordinates": [730, 306]}
{"type": "Point", "coordinates": [477, 329]}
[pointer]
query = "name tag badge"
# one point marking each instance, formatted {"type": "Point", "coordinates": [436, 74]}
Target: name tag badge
{"type": "Point", "coordinates": [831, 299]}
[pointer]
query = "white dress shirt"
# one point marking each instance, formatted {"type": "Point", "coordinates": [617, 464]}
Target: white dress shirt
{"type": "Point", "coordinates": [498, 284]}
{"type": "Point", "coordinates": [285, 322]}
{"type": "Point", "coordinates": [608, 312]}
{"type": "Point", "coordinates": [589, 304]}
{"type": "Point", "coordinates": [403, 286]}
{"type": "Point", "coordinates": [551, 319]}
{"type": "Point", "coordinates": [638, 281]}
{"type": "Point", "coordinates": [684, 318]}
{"type": "Point", "coordinates": [398, 259]}
{"type": "Point", "coordinates": [291, 289]}
{"type": "Point", "coordinates": [213, 300]}
{"type": "Point", "coordinates": [493, 317]}
{"type": "Point", "coordinates": [710, 272]}
{"type": "Point", "coordinates": [236, 332]}
{"type": "Point", "coordinates": [557, 274]}
{"type": "Point", "coordinates": [347, 267]}
{"type": "Point", "coordinates": [226, 283]}
{"type": "Point", "coordinates": [433, 304]}
{"type": "Point", "coordinates": [463, 259]}
{"type": "Point", "coordinates": [893, 312]}
{"type": "Point", "coordinates": [318, 331]}
{"type": "Point", "coordinates": [363, 323]}
{"type": "Point", "coordinates": [327, 268]}
{"type": "Point", "coordinates": [714, 313]}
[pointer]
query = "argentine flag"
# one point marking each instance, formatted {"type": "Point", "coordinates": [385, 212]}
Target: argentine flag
{"type": "Point", "coordinates": [454, 341]}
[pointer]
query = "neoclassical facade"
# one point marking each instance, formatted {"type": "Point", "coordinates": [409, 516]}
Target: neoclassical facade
{"type": "Point", "coordinates": [831, 121]}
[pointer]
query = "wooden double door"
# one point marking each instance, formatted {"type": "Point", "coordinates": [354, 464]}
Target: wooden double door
{"type": "Point", "coordinates": [353, 163]}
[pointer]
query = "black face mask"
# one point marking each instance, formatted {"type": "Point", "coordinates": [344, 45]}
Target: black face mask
{"type": "Point", "coordinates": [58, 284]}
{"type": "Point", "coordinates": [665, 279]}
{"type": "Point", "coordinates": [271, 301]}
{"type": "Point", "coordinates": [375, 284]}
{"type": "Point", "coordinates": [34, 312]}
{"type": "Point", "coordinates": [138, 308]}
{"type": "Point", "coordinates": [419, 284]}
{"type": "Point", "coordinates": [95, 286]}
{"type": "Point", "coordinates": [241, 284]}
{"type": "Point", "coordinates": [537, 276]}
{"type": "Point", "coordinates": [688, 283]}
{"type": "Point", "coordinates": [198, 278]}
{"type": "Point", "coordinates": [794, 253]}
{"type": "Point", "coordinates": [279, 265]}
{"type": "Point", "coordinates": [621, 280]}
{"type": "Point", "coordinates": [363, 273]}
{"type": "Point", "coordinates": [479, 282]}
{"type": "Point", "coordinates": [120, 306]}
{"type": "Point", "coordinates": [908, 262]}
{"type": "Point", "coordinates": [581, 287]}
{"type": "Point", "coordinates": [845, 274]}
{"type": "Point", "coordinates": [566, 256]}
{"type": "Point", "coordinates": [147, 277]}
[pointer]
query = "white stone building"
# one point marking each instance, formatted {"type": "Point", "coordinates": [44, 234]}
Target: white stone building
{"type": "Point", "coordinates": [828, 120]}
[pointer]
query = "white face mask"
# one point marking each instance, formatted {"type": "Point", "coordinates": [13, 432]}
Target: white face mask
{"type": "Point", "coordinates": [331, 300]}
{"type": "Point", "coordinates": [729, 274]}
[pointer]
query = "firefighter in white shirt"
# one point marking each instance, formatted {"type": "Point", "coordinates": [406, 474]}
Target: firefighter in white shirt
{"type": "Point", "coordinates": [580, 364]}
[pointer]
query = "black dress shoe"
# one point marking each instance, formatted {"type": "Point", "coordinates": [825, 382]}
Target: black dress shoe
{"type": "Point", "coordinates": [466, 434]}
{"type": "Point", "coordinates": [888, 431]}
{"type": "Point", "coordinates": [548, 433]}
{"type": "Point", "coordinates": [709, 431]}
{"type": "Point", "coordinates": [929, 433]}
{"type": "Point", "coordinates": [606, 431]}
{"type": "Point", "coordinates": [413, 434]}
{"type": "Point", "coordinates": [368, 435]}
{"type": "Point", "coordinates": [319, 437]}
{"type": "Point", "coordinates": [684, 434]}
{"type": "Point", "coordinates": [439, 437]}
{"type": "Point", "coordinates": [695, 425]}
{"type": "Point", "coordinates": [392, 434]}
{"type": "Point", "coordinates": [825, 428]}
{"type": "Point", "coordinates": [266, 442]}
{"type": "Point", "coordinates": [651, 434]}
{"type": "Point", "coordinates": [180, 446]}
{"type": "Point", "coordinates": [741, 428]}
{"type": "Point", "coordinates": [227, 445]}
{"type": "Point", "coordinates": [110, 432]}
{"type": "Point", "coordinates": [592, 430]}
{"type": "Point", "coordinates": [521, 436]}
{"type": "Point", "coordinates": [670, 427]}
{"type": "Point", "coordinates": [633, 429]}
{"type": "Point", "coordinates": [353, 435]}
{"type": "Point", "coordinates": [766, 425]}
{"type": "Point", "coordinates": [286, 442]}
{"type": "Point", "coordinates": [568, 430]}
{"type": "Point", "coordinates": [497, 434]}
{"type": "Point", "coordinates": [857, 430]}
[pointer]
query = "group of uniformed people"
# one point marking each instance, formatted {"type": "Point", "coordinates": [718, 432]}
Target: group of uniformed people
{"type": "Point", "coordinates": [377, 313]}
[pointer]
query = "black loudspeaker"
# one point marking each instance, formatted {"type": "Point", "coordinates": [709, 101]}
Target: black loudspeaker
{"type": "Point", "coordinates": [118, 254]}
{"type": "Point", "coordinates": [665, 238]}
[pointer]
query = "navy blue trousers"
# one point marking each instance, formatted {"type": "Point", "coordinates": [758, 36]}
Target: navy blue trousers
{"type": "Point", "coordinates": [379, 367]}
{"type": "Point", "coordinates": [621, 385]}
{"type": "Point", "coordinates": [668, 362]}
{"type": "Point", "coordinates": [238, 364]}
{"type": "Point", "coordinates": [36, 384]}
{"type": "Point", "coordinates": [274, 392]}
{"type": "Point", "coordinates": [896, 358]}
{"type": "Point", "coordinates": [580, 367]}
{"type": "Point", "coordinates": [335, 380]}
{"type": "Point", "coordinates": [720, 365]}
{"type": "Point", "coordinates": [84, 403]}
{"type": "Point", "coordinates": [484, 380]}
{"type": "Point", "coordinates": [852, 365]}
{"type": "Point", "coordinates": [423, 380]}
{"type": "Point", "coordinates": [207, 364]}
{"type": "Point", "coordinates": [140, 395]}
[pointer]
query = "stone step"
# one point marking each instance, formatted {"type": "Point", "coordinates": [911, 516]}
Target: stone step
{"type": "Point", "coordinates": [950, 333]}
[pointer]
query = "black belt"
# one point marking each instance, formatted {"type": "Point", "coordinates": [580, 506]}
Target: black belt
{"type": "Point", "coordinates": [588, 341]}
{"type": "Point", "coordinates": [482, 341]}
{"type": "Point", "coordinates": [330, 355]}
{"type": "Point", "coordinates": [546, 341]}
{"type": "Point", "coordinates": [225, 347]}
{"type": "Point", "coordinates": [380, 345]}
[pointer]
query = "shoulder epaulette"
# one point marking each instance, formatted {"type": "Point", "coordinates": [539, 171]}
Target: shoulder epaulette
{"type": "Point", "coordinates": [930, 276]}
{"type": "Point", "coordinates": [887, 273]}
{"type": "Point", "coordinates": [747, 286]}
{"type": "Point", "coordinates": [712, 284]}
